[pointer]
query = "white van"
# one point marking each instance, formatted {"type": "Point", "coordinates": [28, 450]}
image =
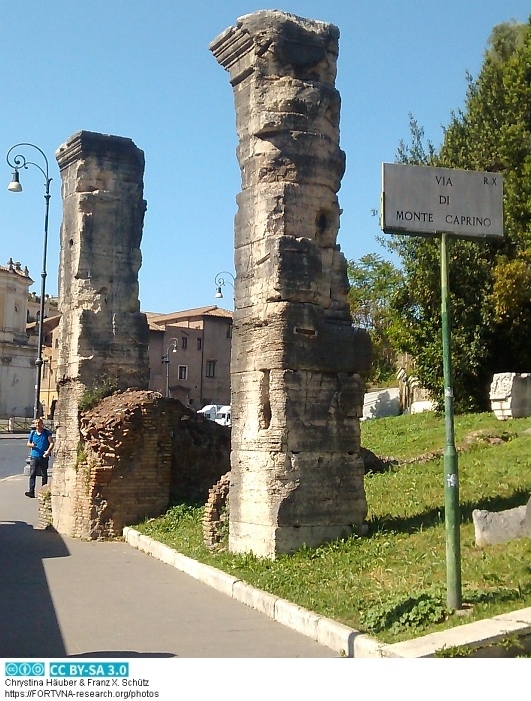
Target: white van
{"type": "Point", "coordinates": [223, 416]}
{"type": "Point", "coordinates": [210, 411]}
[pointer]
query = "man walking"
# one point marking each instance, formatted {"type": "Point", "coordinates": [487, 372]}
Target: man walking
{"type": "Point", "coordinates": [41, 443]}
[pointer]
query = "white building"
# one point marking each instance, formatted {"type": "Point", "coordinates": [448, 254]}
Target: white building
{"type": "Point", "coordinates": [18, 349]}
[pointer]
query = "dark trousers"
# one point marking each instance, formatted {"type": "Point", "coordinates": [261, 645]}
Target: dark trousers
{"type": "Point", "coordinates": [38, 466]}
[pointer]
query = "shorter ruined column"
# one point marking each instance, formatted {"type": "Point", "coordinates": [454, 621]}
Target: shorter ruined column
{"type": "Point", "coordinates": [103, 336]}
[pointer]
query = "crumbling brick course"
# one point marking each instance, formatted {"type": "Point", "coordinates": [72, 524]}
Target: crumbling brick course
{"type": "Point", "coordinates": [216, 515]}
{"type": "Point", "coordinates": [139, 451]}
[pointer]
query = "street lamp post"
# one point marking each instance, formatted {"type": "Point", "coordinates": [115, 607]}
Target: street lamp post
{"type": "Point", "coordinates": [19, 161]}
{"type": "Point", "coordinates": [220, 281]}
{"type": "Point", "coordinates": [166, 359]}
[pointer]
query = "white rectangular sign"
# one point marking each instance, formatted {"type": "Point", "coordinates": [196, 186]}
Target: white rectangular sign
{"type": "Point", "coordinates": [428, 200]}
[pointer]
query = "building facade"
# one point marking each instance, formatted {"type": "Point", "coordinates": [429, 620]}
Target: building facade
{"type": "Point", "coordinates": [189, 355]}
{"type": "Point", "coordinates": [17, 344]}
{"type": "Point", "coordinates": [50, 353]}
{"type": "Point", "coordinates": [19, 336]}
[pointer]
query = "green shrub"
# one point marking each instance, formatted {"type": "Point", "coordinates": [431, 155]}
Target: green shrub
{"type": "Point", "coordinates": [400, 615]}
{"type": "Point", "coordinates": [100, 389]}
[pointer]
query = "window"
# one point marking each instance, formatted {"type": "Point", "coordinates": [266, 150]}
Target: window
{"type": "Point", "coordinates": [199, 343]}
{"type": "Point", "coordinates": [183, 372]}
{"type": "Point", "coordinates": [210, 368]}
{"type": "Point", "coordinates": [184, 342]}
{"type": "Point", "coordinates": [229, 331]}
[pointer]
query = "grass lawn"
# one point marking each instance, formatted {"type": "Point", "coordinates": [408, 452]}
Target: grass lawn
{"type": "Point", "coordinates": [392, 582]}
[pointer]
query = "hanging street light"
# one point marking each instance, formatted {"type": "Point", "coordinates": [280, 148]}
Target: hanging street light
{"type": "Point", "coordinates": [17, 162]}
{"type": "Point", "coordinates": [220, 282]}
{"type": "Point", "coordinates": [166, 359]}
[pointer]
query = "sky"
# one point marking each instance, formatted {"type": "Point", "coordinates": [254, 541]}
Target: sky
{"type": "Point", "coordinates": [142, 69]}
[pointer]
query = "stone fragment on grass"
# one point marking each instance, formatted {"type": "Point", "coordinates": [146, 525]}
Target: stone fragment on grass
{"type": "Point", "coordinates": [492, 527]}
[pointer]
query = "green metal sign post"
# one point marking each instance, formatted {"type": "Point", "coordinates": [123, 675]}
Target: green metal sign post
{"type": "Point", "coordinates": [426, 200]}
{"type": "Point", "coordinates": [451, 476]}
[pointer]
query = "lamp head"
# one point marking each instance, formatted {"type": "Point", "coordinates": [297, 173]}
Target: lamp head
{"type": "Point", "coordinates": [219, 294]}
{"type": "Point", "coordinates": [14, 185]}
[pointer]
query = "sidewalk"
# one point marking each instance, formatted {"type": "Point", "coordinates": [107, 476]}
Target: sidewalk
{"type": "Point", "coordinates": [482, 635]}
{"type": "Point", "coordinates": [64, 597]}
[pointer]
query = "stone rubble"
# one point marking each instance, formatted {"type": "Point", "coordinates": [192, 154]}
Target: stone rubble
{"type": "Point", "coordinates": [510, 395]}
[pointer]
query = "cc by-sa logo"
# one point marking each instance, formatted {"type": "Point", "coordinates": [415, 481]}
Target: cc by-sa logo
{"type": "Point", "coordinates": [24, 669]}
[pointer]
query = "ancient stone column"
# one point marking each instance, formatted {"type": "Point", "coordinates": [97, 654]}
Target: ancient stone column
{"type": "Point", "coordinates": [297, 476]}
{"type": "Point", "coordinates": [103, 336]}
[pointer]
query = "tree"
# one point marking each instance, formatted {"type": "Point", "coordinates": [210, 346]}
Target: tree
{"type": "Point", "coordinates": [490, 281]}
{"type": "Point", "coordinates": [373, 282]}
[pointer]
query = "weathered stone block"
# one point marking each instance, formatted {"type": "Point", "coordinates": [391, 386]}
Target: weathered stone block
{"type": "Point", "coordinates": [297, 396]}
{"type": "Point", "coordinates": [510, 395]}
{"type": "Point", "coordinates": [295, 336]}
{"type": "Point", "coordinates": [491, 527]}
{"type": "Point", "coordinates": [286, 410]}
{"type": "Point", "coordinates": [103, 336]}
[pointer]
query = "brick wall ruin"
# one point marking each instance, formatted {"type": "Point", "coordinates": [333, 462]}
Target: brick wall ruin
{"type": "Point", "coordinates": [103, 336]}
{"type": "Point", "coordinates": [297, 397]}
{"type": "Point", "coordinates": [138, 451]}
{"type": "Point", "coordinates": [215, 515]}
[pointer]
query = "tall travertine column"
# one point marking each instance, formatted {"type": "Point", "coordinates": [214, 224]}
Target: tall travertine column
{"type": "Point", "coordinates": [103, 336]}
{"type": "Point", "coordinates": [297, 477]}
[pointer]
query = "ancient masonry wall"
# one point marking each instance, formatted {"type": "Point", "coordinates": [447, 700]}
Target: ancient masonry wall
{"type": "Point", "coordinates": [140, 451]}
{"type": "Point", "coordinates": [103, 336]}
{"type": "Point", "coordinates": [297, 397]}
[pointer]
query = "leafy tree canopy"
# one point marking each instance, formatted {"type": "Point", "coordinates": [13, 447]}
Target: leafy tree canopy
{"type": "Point", "coordinates": [490, 281]}
{"type": "Point", "coordinates": [374, 282]}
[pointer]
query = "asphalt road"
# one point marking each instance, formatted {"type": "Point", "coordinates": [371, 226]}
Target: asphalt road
{"type": "Point", "coordinates": [13, 454]}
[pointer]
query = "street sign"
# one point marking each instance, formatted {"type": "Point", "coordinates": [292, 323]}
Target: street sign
{"type": "Point", "coordinates": [426, 200]}
{"type": "Point", "coordinates": [423, 200]}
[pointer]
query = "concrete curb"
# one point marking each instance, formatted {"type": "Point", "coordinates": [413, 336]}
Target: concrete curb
{"type": "Point", "coordinates": [346, 641]}
{"type": "Point", "coordinates": [12, 477]}
{"type": "Point", "coordinates": [476, 635]}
